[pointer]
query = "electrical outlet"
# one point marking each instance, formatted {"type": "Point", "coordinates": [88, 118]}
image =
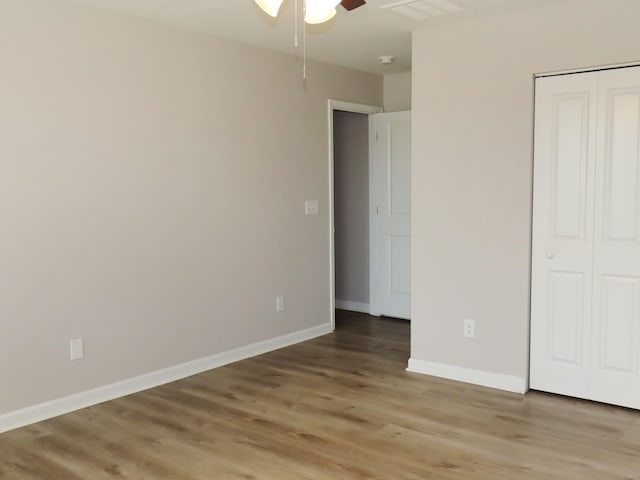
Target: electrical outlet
{"type": "Point", "coordinates": [280, 303]}
{"type": "Point", "coordinates": [76, 349]}
{"type": "Point", "coordinates": [469, 328]}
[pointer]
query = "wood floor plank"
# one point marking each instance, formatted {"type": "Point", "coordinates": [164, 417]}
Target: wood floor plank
{"type": "Point", "coordinates": [340, 406]}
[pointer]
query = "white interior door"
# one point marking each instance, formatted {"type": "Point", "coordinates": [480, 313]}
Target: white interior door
{"type": "Point", "coordinates": [585, 315]}
{"type": "Point", "coordinates": [616, 259]}
{"type": "Point", "coordinates": [391, 209]}
{"type": "Point", "coordinates": [563, 234]}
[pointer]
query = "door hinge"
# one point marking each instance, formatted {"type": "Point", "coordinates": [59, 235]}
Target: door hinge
{"type": "Point", "coordinates": [377, 210]}
{"type": "Point", "coordinates": [377, 136]}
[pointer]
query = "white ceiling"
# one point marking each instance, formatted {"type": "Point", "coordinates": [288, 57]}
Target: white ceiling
{"type": "Point", "coordinates": [354, 39]}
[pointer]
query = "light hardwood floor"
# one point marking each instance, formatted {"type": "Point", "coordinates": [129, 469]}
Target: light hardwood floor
{"type": "Point", "coordinates": [337, 407]}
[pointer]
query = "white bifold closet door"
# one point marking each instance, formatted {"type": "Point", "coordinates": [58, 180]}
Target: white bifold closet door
{"type": "Point", "coordinates": [585, 298]}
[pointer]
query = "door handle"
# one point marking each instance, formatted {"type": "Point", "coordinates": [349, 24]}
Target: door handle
{"type": "Point", "coordinates": [550, 255]}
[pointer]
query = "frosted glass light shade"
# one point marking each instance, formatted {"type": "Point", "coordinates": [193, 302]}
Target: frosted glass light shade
{"type": "Point", "coordinates": [270, 7]}
{"type": "Point", "coordinates": [319, 11]}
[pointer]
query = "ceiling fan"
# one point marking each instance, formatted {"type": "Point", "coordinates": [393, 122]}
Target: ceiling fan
{"type": "Point", "coordinates": [316, 11]}
{"type": "Point", "coordinates": [352, 4]}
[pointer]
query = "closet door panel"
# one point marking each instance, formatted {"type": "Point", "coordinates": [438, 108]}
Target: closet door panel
{"type": "Point", "coordinates": [621, 166]}
{"type": "Point", "coordinates": [563, 234]}
{"type": "Point", "coordinates": [616, 257]}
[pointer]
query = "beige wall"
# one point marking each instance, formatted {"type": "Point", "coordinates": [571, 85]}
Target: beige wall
{"type": "Point", "coordinates": [152, 187]}
{"type": "Point", "coordinates": [351, 197]}
{"type": "Point", "coordinates": [472, 170]}
{"type": "Point", "coordinates": [397, 92]}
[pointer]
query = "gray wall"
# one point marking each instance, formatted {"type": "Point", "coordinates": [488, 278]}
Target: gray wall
{"type": "Point", "coordinates": [351, 193]}
{"type": "Point", "coordinates": [152, 188]}
{"type": "Point", "coordinates": [472, 169]}
{"type": "Point", "coordinates": [397, 92]}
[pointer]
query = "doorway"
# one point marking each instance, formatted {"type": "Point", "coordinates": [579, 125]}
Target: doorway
{"type": "Point", "coordinates": [357, 109]}
{"type": "Point", "coordinates": [351, 210]}
{"type": "Point", "coordinates": [369, 199]}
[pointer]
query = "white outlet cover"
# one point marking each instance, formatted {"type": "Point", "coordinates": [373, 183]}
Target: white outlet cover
{"type": "Point", "coordinates": [469, 328]}
{"type": "Point", "coordinates": [280, 304]}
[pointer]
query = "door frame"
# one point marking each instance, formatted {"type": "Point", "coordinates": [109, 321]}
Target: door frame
{"type": "Point", "coordinates": [342, 106]}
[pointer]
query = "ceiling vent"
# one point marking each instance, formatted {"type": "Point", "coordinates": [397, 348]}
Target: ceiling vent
{"type": "Point", "coordinates": [423, 9]}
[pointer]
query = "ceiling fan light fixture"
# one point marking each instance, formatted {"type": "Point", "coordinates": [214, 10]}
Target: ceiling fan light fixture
{"type": "Point", "coordinates": [314, 18]}
{"type": "Point", "coordinates": [270, 7]}
{"type": "Point", "coordinates": [320, 11]}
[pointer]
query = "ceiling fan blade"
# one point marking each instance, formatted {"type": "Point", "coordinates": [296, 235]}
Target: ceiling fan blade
{"type": "Point", "coordinates": [352, 4]}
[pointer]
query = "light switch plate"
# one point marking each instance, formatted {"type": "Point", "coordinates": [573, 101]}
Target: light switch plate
{"type": "Point", "coordinates": [311, 207]}
{"type": "Point", "coordinates": [76, 349]}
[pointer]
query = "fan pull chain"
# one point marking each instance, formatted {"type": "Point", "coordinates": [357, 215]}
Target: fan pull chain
{"type": "Point", "coordinates": [304, 45]}
{"type": "Point", "coordinates": [296, 20]}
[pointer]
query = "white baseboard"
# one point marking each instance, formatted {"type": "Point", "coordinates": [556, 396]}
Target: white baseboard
{"type": "Point", "coordinates": [510, 383]}
{"type": "Point", "coordinates": [60, 406]}
{"type": "Point", "coordinates": [353, 306]}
